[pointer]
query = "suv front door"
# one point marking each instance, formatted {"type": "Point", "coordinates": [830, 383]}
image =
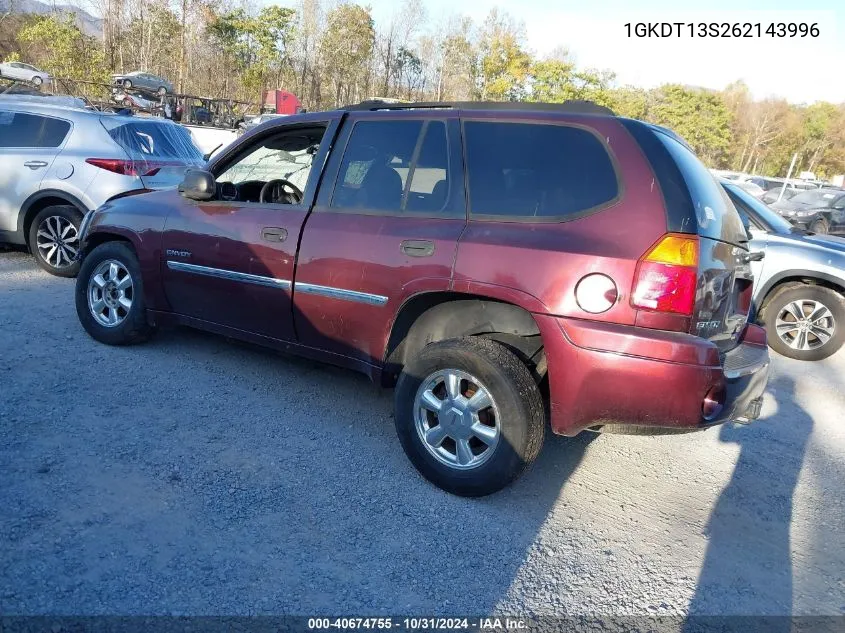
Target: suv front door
{"type": "Point", "coordinates": [385, 228]}
{"type": "Point", "coordinates": [230, 261]}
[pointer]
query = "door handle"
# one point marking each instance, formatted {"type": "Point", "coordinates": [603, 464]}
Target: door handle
{"type": "Point", "coordinates": [417, 248]}
{"type": "Point", "coordinates": [274, 234]}
{"type": "Point", "coordinates": [35, 164]}
{"type": "Point", "coordinates": [755, 256]}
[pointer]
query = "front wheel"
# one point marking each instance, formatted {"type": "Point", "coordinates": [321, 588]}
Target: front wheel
{"type": "Point", "coordinates": [110, 296]}
{"type": "Point", "coordinates": [37, 80]}
{"type": "Point", "coordinates": [469, 415]}
{"type": "Point", "coordinates": [806, 322]}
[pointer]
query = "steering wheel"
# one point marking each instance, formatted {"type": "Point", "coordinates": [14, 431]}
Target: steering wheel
{"type": "Point", "coordinates": [278, 187]}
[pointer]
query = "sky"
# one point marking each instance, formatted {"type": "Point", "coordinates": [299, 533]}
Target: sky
{"type": "Point", "coordinates": [801, 70]}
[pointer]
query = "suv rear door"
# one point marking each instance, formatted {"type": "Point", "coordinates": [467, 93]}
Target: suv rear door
{"type": "Point", "coordinates": [29, 143]}
{"type": "Point", "coordinates": [385, 227]}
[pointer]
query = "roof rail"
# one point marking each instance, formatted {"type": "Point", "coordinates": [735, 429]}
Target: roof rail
{"type": "Point", "coordinates": [573, 106]}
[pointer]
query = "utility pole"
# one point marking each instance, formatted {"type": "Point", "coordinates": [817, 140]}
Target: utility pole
{"type": "Point", "coordinates": [788, 175]}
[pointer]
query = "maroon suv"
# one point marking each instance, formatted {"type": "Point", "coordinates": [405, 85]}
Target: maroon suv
{"type": "Point", "coordinates": [502, 265]}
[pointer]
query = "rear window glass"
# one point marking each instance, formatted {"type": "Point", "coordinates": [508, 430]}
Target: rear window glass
{"type": "Point", "coordinates": [18, 129]}
{"type": "Point", "coordinates": [715, 213]}
{"type": "Point", "coordinates": [148, 140]}
{"type": "Point", "coordinates": [528, 170]}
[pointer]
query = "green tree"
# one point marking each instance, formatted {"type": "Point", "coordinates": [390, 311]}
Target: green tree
{"type": "Point", "coordinates": [504, 65]}
{"type": "Point", "coordinates": [699, 116]}
{"type": "Point", "coordinates": [347, 50]}
{"type": "Point", "coordinates": [58, 46]}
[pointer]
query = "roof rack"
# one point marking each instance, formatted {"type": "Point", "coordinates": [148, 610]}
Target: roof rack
{"type": "Point", "coordinates": [572, 106]}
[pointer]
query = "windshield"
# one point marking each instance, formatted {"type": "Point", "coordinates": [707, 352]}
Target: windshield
{"type": "Point", "coordinates": [759, 213]}
{"type": "Point", "coordinates": [818, 198]}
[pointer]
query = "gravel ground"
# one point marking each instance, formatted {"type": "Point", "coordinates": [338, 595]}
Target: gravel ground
{"type": "Point", "coordinates": [192, 475]}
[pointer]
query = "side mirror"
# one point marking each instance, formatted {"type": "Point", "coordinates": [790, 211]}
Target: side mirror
{"type": "Point", "coordinates": [198, 184]}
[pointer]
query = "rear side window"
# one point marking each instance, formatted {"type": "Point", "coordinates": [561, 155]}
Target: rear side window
{"type": "Point", "coordinates": [536, 171]}
{"type": "Point", "coordinates": [714, 212]}
{"type": "Point", "coordinates": [375, 165]}
{"type": "Point", "coordinates": [18, 129]}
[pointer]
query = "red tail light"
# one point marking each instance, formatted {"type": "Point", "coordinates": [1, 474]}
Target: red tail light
{"type": "Point", "coordinates": [131, 167]}
{"type": "Point", "coordinates": [667, 276]}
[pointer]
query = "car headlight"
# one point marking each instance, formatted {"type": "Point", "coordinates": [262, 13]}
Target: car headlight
{"type": "Point", "coordinates": [804, 214]}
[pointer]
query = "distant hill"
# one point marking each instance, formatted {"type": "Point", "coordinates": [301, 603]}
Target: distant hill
{"type": "Point", "coordinates": [88, 23]}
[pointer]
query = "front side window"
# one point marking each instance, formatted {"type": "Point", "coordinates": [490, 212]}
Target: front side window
{"type": "Point", "coordinates": [528, 170]}
{"type": "Point", "coordinates": [285, 156]}
{"type": "Point", "coordinates": [18, 129]}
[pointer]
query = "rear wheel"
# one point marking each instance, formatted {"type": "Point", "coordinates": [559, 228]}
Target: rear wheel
{"type": "Point", "coordinates": [806, 322]}
{"type": "Point", "coordinates": [469, 415]}
{"type": "Point", "coordinates": [54, 239]}
{"type": "Point", "coordinates": [110, 296]}
{"type": "Point", "coordinates": [162, 91]}
{"type": "Point", "coordinates": [127, 83]}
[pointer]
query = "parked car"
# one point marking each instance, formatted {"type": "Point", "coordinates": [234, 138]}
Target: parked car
{"type": "Point", "coordinates": [799, 290]}
{"type": "Point", "coordinates": [24, 72]}
{"type": "Point", "coordinates": [143, 81]}
{"type": "Point", "coordinates": [482, 258]}
{"type": "Point", "coordinates": [819, 210]}
{"type": "Point", "coordinates": [60, 161]}
{"type": "Point", "coordinates": [128, 100]}
{"type": "Point", "coordinates": [751, 187]}
{"type": "Point", "coordinates": [254, 121]}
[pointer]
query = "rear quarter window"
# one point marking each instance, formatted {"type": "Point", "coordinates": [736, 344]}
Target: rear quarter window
{"type": "Point", "coordinates": [536, 172]}
{"type": "Point", "coordinates": [715, 214]}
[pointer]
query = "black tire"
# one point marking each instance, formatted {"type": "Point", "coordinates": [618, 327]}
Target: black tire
{"type": "Point", "coordinates": [162, 91]}
{"type": "Point", "coordinates": [37, 80]}
{"type": "Point", "coordinates": [806, 292]}
{"type": "Point", "coordinates": [134, 327]}
{"type": "Point", "coordinates": [51, 221]}
{"type": "Point", "coordinates": [520, 406]}
{"type": "Point", "coordinates": [820, 226]}
{"type": "Point", "coordinates": [127, 84]}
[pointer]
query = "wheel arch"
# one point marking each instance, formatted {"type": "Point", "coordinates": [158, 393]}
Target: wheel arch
{"type": "Point", "coordinates": [436, 316]}
{"type": "Point", "coordinates": [41, 200]}
{"type": "Point", "coordinates": [789, 278]}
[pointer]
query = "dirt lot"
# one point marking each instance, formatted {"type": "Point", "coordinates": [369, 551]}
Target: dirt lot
{"type": "Point", "coordinates": [193, 475]}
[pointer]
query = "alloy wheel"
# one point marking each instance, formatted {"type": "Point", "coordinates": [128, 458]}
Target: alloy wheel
{"type": "Point", "coordinates": [110, 293]}
{"type": "Point", "coordinates": [457, 419]}
{"type": "Point", "coordinates": [57, 241]}
{"type": "Point", "coordinates": [805, 324]}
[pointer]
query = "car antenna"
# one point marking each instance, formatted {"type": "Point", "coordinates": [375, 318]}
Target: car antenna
{"type": "Point", "coordinates": [208, 155]}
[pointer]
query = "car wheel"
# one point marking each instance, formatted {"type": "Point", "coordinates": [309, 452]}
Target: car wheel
{"type": "Point", "coordinates": [469, 415]}
{"type": "Point", "coordinates": [110, 296]}
{"type": "Point", "coordinates": [162, 91]}
{"type": "Point", "coordinates": [54, 239]}
{"type": "Point", "coordinates": [819, 226]}
{"type": "Point", "coordinates": [127, 103]}
{"type": "Point", "coordinates": [806, 322]}
{"type": "Point", "coordinates": [37, 80]}
{"type": "Point", "coordinates": [127, 84]}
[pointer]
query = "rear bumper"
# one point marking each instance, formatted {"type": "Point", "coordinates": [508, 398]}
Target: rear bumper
{"type": "Point", "coordinates": [605, 374]}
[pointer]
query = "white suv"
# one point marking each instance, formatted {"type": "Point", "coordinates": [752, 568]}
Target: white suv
{"type": "Point", "coordinates": [59, 160]}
